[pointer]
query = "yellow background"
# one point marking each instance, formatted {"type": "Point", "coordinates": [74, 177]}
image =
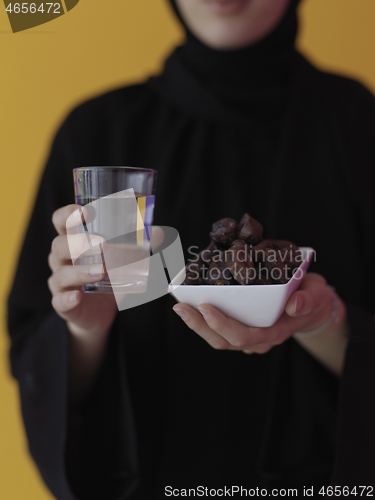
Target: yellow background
{"type": "Point", "coordinates": [97, 46]}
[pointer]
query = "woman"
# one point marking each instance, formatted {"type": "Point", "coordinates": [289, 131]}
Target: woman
{"type": "Point", "coordinates": [123, 405]}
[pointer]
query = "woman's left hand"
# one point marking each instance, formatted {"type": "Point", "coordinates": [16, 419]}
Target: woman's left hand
{"type": "Point", "coordinates": [307, 309]}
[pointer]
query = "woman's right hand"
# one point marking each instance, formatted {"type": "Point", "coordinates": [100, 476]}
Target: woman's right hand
{"type": "Point", "coordinates": [89, 316]}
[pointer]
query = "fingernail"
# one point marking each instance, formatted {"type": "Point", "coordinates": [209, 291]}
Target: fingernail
{"type": "Point", "coordinates": [203, 312]}
{"type": "Point", "coordinates": [181, 313]}
{"type": "Point", "coordinates": [298, 304]}
{"type": "Point", "coordinates": [73, 297]}
{"type": "Point", "coordinates": [96, 270]}
{"type": "Point", "coordinates": [77, 213]}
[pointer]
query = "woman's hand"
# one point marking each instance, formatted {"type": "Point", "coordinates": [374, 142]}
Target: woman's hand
{"type": "Point", "coordinates": [312, 306]}
{"type": "Point", "coordinates": [89, 317]}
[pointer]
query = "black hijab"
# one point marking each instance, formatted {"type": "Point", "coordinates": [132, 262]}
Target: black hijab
{"type": "Point", "coordinates": [251, 81]}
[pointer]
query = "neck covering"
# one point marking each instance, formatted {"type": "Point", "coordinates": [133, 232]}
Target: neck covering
{"type": "Point", "coordinates": [252, 80]}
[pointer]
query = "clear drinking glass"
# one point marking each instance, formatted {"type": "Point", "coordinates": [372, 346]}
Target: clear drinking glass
{"type": "Point", "coordinates": [119, 204]}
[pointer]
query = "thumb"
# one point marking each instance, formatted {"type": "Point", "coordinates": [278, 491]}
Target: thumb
{"type": "Point", "coordinates": [156, 237]}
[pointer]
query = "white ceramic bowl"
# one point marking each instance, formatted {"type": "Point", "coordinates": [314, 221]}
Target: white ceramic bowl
{"type": "Point", "coordinates": [252, 305]}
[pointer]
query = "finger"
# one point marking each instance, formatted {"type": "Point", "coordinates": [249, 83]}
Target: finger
{"type": "Point", "coordinates": [196, 322]}
{"type": "Point", "coordinates": [259, 349]}
{"type": "Point", "coordinates": [73, 213]}
{"type": "Point", "coordinates": [339, 309]}
{"type": "Point", "coordinates": [73, 276]}
{"type": "Point", "coordinates": [234, 332]}
{"type": "Point", "coordinates": [311, 297]}
{"type": "Point", "coordinates": [157, 237]}
{"type": "Point", "coordinates": [65, 302]}
{"type": "Point", "coordinates": [244, 337]}
{"type": "Point", "coordinates": [310, 277]}
{"type": "Point", "coordinates": [286, 325]}
{"type": "Point", "coordinates": [53, 262]}
{"type": "Point", "coordinates": [70, 247]}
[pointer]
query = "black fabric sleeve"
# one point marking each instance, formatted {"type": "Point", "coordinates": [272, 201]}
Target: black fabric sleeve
{"type": "Point", "coordinates": [355, 452]}
{"type": "Point", "coordinates": [90, 452]}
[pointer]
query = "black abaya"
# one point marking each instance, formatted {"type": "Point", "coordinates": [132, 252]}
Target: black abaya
{"type": "Point", "coordinates": [168, 409]}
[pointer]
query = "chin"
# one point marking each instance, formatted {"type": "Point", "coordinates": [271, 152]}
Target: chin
{"type": "Point", "coordinates": [222, 38]}
{"type": "Point", "coordinates": [232, 24]}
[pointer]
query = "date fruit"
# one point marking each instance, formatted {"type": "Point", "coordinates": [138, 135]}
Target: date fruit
{"type": "Point", "coordinates": [237, 255]}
